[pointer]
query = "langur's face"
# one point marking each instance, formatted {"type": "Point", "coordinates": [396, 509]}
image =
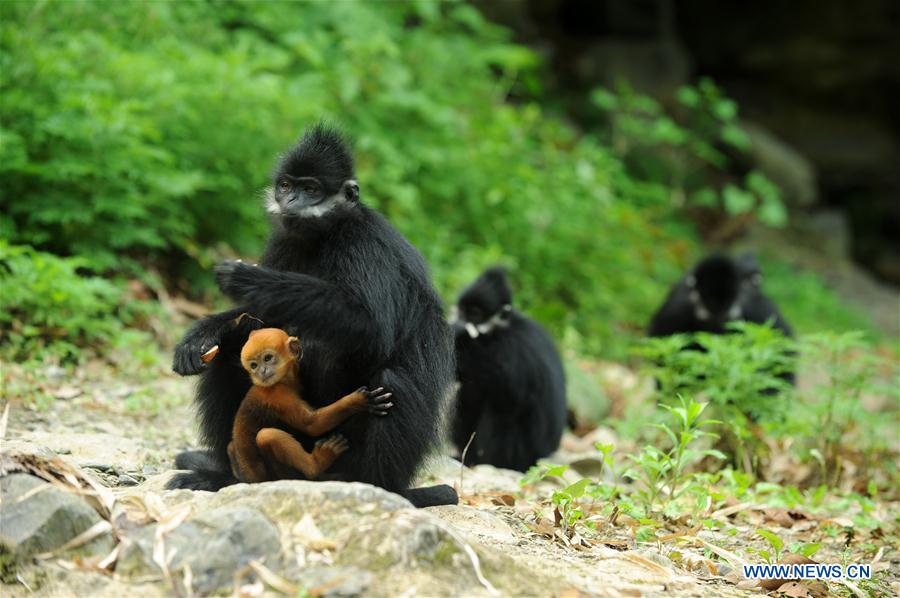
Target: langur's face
{"type": "Point", "coordinates": [269, 355]}
{"type": "Point", "coordinates": [717, 282]}
{"type": "Point", "coordinates": [484, 305]}
{"type": "Point", "coordinates": [475, 311]}
{"type": "Point", "coordinates": [314, 178]}
{"type": "Point", "coordinates": [307, 196]}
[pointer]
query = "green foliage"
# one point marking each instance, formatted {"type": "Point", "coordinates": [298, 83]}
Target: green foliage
{"type": "Point", "coordinates": [110, 149]}
{"type": "Point", "coordinates": [740, 374]}
{"type": "Point", "coordinates": [774, 542]}
{"type": "Point", "coordinates": [135, 134]}
{"type": "Point", "coordinates": [145, 133]}
{"type": "Point", "coordinates": [832, 415]}
{"type": "Point", "coordinates": [46, 305]}
{"type": "Point", "coordinates": [809, 304]}
{"type": "Point", "coordinates": [665, 474]}
{"type": "Point", "coordinates": [671, 155]}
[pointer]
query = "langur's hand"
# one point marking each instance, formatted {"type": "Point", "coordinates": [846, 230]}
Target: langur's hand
{"type": "Point", "coordinates": [236, 278]}
{"type": "Point", "coordinates": [198, 341]}
{"type": "Point", "coordinates": [377, 402]}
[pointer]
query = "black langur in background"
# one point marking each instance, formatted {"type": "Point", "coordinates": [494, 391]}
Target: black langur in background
{"type": "Point", "coordinates": [512, 385]}
{"type": "Point", "coordinates": [337, 273]}
{"type": "Point", "coordinates": [718, 290]}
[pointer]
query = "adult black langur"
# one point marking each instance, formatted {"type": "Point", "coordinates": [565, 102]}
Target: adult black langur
{"type": "Point", "coordinates": [719, 289]}
{"type": "Point", "coordinates": [359, 294]}
{"type": "Point", "coordinates": [512, 385]}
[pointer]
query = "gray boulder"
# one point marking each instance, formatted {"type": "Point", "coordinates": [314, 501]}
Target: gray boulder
{"type": "Point", "coordinates": [214, 546]}
{"type": "Point", "coordinates": [39, 517]}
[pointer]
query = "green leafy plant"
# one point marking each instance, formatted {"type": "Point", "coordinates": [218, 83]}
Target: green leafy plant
{"type": "Point", "coordinates": [775, 543]}
{"type": "Point", "coordinates": [47, 307]}
{"type": "Point", "coordinates": [672, 152]}
{"type": "Point", "coordinates": [144, 133]}
{"type": "Point", "coordinates": [831, 413]}
{"type": "Point", "coordinates": [665, 473]}
{"type": "Point", "coordinates": [136, 134]}
{"type": "Point", "coordinates": [741, 374]}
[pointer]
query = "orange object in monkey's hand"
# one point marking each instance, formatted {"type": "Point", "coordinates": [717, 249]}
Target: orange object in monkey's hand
{"type": "Point", "coordinates": [208, 356]}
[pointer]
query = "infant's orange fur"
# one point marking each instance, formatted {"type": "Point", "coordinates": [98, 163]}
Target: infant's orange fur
{"type": "Point", "coordinates": [261, 436]}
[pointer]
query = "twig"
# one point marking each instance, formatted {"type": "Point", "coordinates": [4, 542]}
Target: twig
{"type": "Point", "coordinates": [613, 516]}
{"type": "Point", "coordinates": [462, 461]}
{"type": "Point", "coordinates": [473, 557]}
{"type": "Point", "coordinates": [4, 420]}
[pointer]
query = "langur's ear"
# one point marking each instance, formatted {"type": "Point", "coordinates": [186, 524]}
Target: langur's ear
{"type": "Point", "coordinates": [293, 346]}
{"type": "Point", "coordinates": [351, 190]}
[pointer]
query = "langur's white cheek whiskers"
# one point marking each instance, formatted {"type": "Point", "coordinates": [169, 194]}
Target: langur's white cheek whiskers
{"type": "Point", "coordinates": [270, 202]}
{"type": "Point", "coordinates": [324, 207]}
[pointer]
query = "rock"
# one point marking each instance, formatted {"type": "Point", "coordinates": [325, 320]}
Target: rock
{"type": "Point", "coordinates": [285, 502]}
{"type": "Point", "coordinates": [23, 447]}
{"type": "Point", "coordinates": [481, 478]}
{"type": "Point", "coordinates": [359, 531]}
{"type": "Point", "coordinates": [126, 480]}
{"type": "Point", "coordinates": [39, 517]}
{"type": "Point", "coordinates": [479, 524]}
{"type": "Point", "coordinates": [794, 174]}
{"type": "Point", "coordinates": [411, 538]}
{"type": "Point", "coordinates": [104, 452]}
{"type": "Point", "coordinates": [332, 582]}
{"type": "Point", "coordinates": [215, 545]}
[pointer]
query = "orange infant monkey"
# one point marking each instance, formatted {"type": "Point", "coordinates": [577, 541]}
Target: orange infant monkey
{"type": "Point", "coordinates": [260, 444]}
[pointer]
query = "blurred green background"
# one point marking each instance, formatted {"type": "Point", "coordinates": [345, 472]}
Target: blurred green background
{"type": "Point", "coordinates": [136, 138]}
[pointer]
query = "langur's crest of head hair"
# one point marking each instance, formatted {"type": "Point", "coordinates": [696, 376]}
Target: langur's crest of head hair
{"type": "Point", "coordinates": [322, 152]}
{"type": "Point", "coordinates": [490, 290]}
{"type": "Point", "coordinates": [717, 278]}
{"type": "Point", "coordinates": [268, 338]}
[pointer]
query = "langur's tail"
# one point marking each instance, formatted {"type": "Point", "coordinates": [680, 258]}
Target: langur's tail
{"type": "Point", "coordinates": [207, 473]}
{"type": "Point", "coordinates": [432, 496]}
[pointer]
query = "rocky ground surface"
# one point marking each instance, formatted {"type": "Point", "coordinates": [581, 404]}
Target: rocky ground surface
{"type": "Point", "coordinates": [85, 513]}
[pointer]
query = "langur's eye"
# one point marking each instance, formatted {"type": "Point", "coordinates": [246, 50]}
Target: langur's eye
{"type": "Point", "coordinates": [253, 365]}
{"type": "Point", "coordinates": [267, 358]}
{"type": "Point", "coordinates": [310, 190]}
{"type": "Point", "coordinates": [284, 186]}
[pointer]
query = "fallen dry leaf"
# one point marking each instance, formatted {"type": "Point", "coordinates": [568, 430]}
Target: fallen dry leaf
{"type": "Point", "coordinates": [789, 559]}
{"type": "Point", "coordinates": [784, 517]}
{"type": "Point", "coordinates": [795, 589]}
{"type": "Point", "coordinates": [504, 499]}
{"type": "Point", "coordinates": [541, 527]}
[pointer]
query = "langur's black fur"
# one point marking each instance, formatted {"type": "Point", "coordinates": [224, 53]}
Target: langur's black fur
{"type": "Point", "coordinates": [512, 383]}
{"type": "Point", "coordinates": [360, 298]}
{"type": "Point", "coordinates": [718, 290]}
